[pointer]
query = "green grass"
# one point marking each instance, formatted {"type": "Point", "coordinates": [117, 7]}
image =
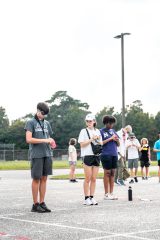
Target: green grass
{"type": "Point", "coordinates": [100, 176]}
{"type": "Point", "coordinates": [25, 165]}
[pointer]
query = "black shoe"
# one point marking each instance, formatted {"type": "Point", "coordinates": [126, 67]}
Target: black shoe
{"type": "Point", "coordinates": [37, 208]}
{"type": "Point", "coordinates": [136, 179]}
{"type": "Point", "coordinates": [143, 178]}
{"type": "Point", "coordinates": [146, 178]}
{"type": "Point", "coordinates": [74, 180]}
{"type": "Point", "coordinates": [44, 207]}
{"type": "Point", "coordinates": [132, 181]}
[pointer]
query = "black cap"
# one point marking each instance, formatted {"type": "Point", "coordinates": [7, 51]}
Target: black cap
{"type": "Point", "coordinates": [43, 107]}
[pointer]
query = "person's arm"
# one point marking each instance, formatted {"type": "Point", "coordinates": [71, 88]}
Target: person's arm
{"type": "Point", "coordinates": [31, 140]}
{"type": "Point", "coordinates": [155, 148]}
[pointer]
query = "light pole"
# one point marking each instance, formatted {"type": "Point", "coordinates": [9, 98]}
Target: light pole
{"type": "Point", "coordinates": [122, 66]}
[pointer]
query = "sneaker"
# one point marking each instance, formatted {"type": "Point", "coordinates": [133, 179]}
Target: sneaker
{"type": "Point", "coordinates": [37, 208]}
{"type": "Point", "coordinates": [87, 202]}
{"type": "Point", "coordinates": [136, 179]}
{"type": "Point", "coordinates": [74, 180]}
{"type": "Point", "coordinates": [121, 182]}
{"type": "Point", "coordinates": [45, 208]}
{"type": "Point", "coordinates": [146, 178]}
{"type": "Point", "coordinates": [94, 202]}
{"type": "Point", "coordinates": [132, 181]}
{"type": "Point", "coordinates": [143, 178]}
{"type": "Point", "coordinates": [112, 197]}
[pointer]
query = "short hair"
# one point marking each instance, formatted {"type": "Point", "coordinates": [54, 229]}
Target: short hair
{"type": "Point", "coordinates": [108, 119]}
{"type": "Point", "coordinates": [43, 107]}
{"type": "Point", "coordinates": [72, 141]}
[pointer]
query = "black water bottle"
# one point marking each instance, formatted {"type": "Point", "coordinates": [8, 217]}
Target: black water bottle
{"type": "Point", "coordinates": [130, 194]}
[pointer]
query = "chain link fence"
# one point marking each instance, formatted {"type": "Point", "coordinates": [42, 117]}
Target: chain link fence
{"type": "Point", "coordinates": [11, 155]}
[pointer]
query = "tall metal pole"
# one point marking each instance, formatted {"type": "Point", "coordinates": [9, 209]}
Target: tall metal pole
{"type": "Point", "coordinates": [123, 84]}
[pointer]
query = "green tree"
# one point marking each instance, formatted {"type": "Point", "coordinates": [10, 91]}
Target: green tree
{"type": "Point", "coordinates": [66, 117]}
{"type": "Point", "coordinates": [4, 125]}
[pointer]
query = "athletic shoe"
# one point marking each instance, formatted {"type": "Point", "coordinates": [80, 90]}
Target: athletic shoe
{"type": "Point", "coordinates": [132, 181]}
{"type": "Point", "coordinates": [94, 202]}
{"type": "Point", "coordinates": [87, 202]}
{"type": "Point", "coordinates": [143, 178]}
{"type": "Point", "coordinates": [113, 197]}
{"type": "Point", "coordinates": [74, 180]}
{"type": "Point", "coordinates": [121, 182]}
{"type": "Point", "coordinates": [43, 205]}
{"type": "Point", "coordinates": [110, 197]}
{"type": "Point", "coordinates": [146, 178]}
{"type": "Point", "coordinates": [37, 208]}
{"type": "Point", "coordinates": [136, 179]}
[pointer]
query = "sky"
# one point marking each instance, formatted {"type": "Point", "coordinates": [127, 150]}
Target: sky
{"type": "Point", "coordinates": [69, 45]}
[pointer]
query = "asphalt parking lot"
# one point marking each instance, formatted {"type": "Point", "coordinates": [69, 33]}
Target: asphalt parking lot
{"type": "Point", "coordinates": [69, 219]}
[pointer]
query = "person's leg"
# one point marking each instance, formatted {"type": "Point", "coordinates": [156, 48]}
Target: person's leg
{"type": "Point", "coordinates": [72, 170]}
{"type": "Point", "coordinates": [142, 173]}
{"type": "Point", "coordinates": [87, 179]}
{"type": "Point", "coordinates": [106, 180]}
{"type": "Point", "coordinates": [120, 169]}
{"type": "Point", "coordinates": [42, 188]}
{"type": "Point", "coordinates": [111, 180]}
{"type": "Point", "coordinates": [35, 190]}
{"type": "Point", "coordinates": [147, 172]}
{"type": "Point", "coordinates": [159, 172]}
{"type": "Point", "coordinates": [135, 172]}
{"type": "Point", "coordinates": [93, 180]}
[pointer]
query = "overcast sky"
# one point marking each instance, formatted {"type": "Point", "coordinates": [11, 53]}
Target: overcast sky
{"type": "Point", "coordinates": [47, 46]}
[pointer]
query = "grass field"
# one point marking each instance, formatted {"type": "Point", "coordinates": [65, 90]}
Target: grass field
{"type": "Point", "coordinates": [25, 165]}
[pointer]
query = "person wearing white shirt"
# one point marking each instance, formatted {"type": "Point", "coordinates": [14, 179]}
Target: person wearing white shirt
{"type": "Point", "coordinates": [133, 146]}
{"type": "Point", "coordinates": [121, 164]}
{"type": "Point", "coordinates": [72, 153]}
{"type": "Point", "coordinates": [91, 161]}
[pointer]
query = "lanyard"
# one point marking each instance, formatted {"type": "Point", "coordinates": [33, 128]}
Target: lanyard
{"type": "Point", "coordinates": [42, 126]}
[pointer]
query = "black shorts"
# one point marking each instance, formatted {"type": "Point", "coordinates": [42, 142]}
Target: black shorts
{"type": "Point", "coordinates": [41, 167]}
{"type": "Point", "coordinates": [91, 160]}
{"type": "Point", "coordinates": [158, 163]}
{"type": "Point", "coordinates": [109, 162]}
{"type": "Point", "coordinates": [144, 163]}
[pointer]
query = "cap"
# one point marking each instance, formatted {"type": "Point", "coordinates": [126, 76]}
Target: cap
{"type": "Point", "coordinates": [90, 117]}
{"type": "Point", "coordinates": [131, 135]}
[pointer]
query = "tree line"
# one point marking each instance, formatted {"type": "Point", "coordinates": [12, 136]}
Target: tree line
{"type": "Point", "coordinates": [67, 119]}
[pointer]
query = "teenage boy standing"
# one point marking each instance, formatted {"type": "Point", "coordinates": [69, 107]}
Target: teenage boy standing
{"type": "Point", "coordinates": [38, 132]}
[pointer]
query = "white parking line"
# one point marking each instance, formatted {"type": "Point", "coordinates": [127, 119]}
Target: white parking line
{"type": "Point", "coordinates": [54, 224]}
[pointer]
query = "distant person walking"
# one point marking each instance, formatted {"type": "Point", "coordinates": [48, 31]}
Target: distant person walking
{"type": "Point", "coordinates": [38, 132]}
{"type": "Point", "coordinates": [121, 164]}
{"type": "Point", "coordinates": [157, 150]}
{"type": "Point", "coordinates": [109, 156]}
{"type": "Point", "coordinates": [145, 157]}
{"type": "Point", "coordinates": [72, 152]}
{"type": "Point", "coordinates": [91, 161]}
{"type": "Point", "coordinates": [133, 145]}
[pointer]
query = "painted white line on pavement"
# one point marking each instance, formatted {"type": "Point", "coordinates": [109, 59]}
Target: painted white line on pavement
{"type": "Point", "coordinates": [55, 225]}
{"type": "Point", "coordinates": [126, 235]}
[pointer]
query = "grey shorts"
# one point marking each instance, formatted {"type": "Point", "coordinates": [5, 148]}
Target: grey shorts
{"type": "Point", "coordinates": [133, 163]}
{"type": "Point", "coordinates": [41, 167]}
{"type": "Point", "coordinates": [72, 163]}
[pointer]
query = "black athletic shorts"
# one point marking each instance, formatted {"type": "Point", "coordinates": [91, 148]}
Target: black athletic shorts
{"type": "Point", "coordinates": [109, 162]}
{"type": "Point", "coordinates": [158, 163]}
{"type": "Point", "coordinates": [144, 163]}
{"type": "Point", "coordinates": [91, 160]}
{"type": "Point", "coordinates": [41, 167]}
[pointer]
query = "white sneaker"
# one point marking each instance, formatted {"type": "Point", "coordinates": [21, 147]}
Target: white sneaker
{"type": "Point", "coordinates": [106, 197]}
{"type": "Point", "coordinates": [112, 197]}
{"type": "Point", "coordinates": [87, 202]}
{"type": "Point", "coordinates": [94, 202]}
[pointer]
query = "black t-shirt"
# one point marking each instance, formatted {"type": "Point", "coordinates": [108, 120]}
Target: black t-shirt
{"type": "Point", "coordinates": [144, 153]}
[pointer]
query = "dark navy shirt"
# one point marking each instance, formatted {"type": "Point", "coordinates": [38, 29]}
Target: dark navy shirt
{"type": "Point", "coordinates": [109, 148]}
